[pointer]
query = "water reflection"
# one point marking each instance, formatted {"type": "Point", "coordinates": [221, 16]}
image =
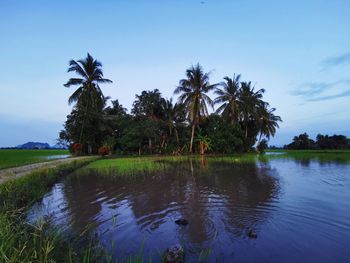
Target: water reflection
{"type": "Point", "coordinates": [220, 201]}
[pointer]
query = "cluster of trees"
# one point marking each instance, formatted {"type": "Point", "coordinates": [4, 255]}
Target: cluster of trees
{"type": "Point", "coordinates": [159, 125]}
{"type": "Point", "coordinates": [303, 142]}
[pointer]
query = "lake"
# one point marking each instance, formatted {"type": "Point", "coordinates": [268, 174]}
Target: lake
{"type": "Point", "coordinates": [298, 209]}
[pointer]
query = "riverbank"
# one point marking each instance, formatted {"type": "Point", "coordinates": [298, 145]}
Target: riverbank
{"type": "Point", "coordinates": [20, 241]}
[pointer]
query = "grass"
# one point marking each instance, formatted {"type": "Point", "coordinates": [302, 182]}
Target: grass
{"type": "Point", "coordinates": [15, 157]}
{"type": "Point", "coordinates": [21, 242]}
{"type": "Point", "coordinates": [128, 165]}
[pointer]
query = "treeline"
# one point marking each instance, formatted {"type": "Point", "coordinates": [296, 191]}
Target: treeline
{"type": "Point", "coordinates": [159, 125]}
{"type": "Point", "coordinates": [324, 142]}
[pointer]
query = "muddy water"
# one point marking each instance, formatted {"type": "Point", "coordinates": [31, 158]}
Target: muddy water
{"type": "Point", "coordinates": [300, 211]}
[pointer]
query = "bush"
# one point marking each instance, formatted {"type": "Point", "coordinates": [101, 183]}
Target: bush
{"type": "Point", "coordinates": [262, 146]}
{"type": "Point", "coordinates": [76, 148]}
{"type": "Point", "coordinates": [103, 150]}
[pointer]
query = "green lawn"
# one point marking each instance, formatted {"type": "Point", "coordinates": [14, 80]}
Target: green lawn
{"type": "Point", "coordinates": [12, 158]}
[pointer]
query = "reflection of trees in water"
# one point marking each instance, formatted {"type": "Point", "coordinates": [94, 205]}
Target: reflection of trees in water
{"type": "Point", "coordinates": [81, 193]}
{"type": "Point", "coordinates": [206, 194]}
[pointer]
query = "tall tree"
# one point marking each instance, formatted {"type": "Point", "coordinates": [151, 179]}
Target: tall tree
{"type": "Point", "coordinates": [249, 103]}
{"type": "Point", "coordinates": [228, 95]}
{"type": "Point", "coordinates": [268, 122]}
{"type": "Point", "coordinates": [148, 106]}
{"type": "Point", "coordinates": [193, 94]}
{"type": "Point", "coordinates": [174, 117]}
{"type": "Point", "coordinates": [88, 96]}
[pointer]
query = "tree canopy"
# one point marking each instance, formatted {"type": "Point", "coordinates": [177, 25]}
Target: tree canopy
{"type": "Point", "coordinates": [159, 125]}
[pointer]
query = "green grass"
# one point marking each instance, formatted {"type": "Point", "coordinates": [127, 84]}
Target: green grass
{"type": "Point", "coordinates": [14, 157]}
{"type": "Point", "coordinates": [128, 165]}
{"type": "Point", "coordinates": [21, 242]}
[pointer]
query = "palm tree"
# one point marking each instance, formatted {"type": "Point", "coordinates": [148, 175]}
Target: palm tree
{"type": "Point", "coordinates": [229, 96]}
{"type": "Point", "coordinates": [90, 72]}
{"type": "Point", "coordinates": [268, 122]}
{"type": "Point", "coordinates": [193, 95]}
{"type": "Point", "coordinates": [174, 117]}
{"type": "Point", "coordinates": [249, 103]}
{"type": "Point", "coordinates": [88, 94]}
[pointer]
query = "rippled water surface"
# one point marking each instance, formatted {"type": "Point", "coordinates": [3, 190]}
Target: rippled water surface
{"type": "Point", "coordinates": [300, 210]}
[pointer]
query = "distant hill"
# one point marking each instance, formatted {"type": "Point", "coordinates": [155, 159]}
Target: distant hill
{"type": "Point", "coordinates": [34, 145]}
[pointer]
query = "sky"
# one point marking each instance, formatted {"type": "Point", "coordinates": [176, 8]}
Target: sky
{"type": "Point", "coordinates": [299, 51]}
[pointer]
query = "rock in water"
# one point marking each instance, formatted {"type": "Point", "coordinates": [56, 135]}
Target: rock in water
{"type": "Point", "coordinates": [174, 254]}
{"type": "Point", "coordinates": [252, 234]}
{"type": "Point", "coordinates": [181, 222]}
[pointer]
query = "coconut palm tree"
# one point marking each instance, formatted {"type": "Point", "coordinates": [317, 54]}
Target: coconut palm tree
{"type": "Point", "coordinates": [193, 94]}
{"type": "Point", "coordinates": [249, 103]}
{"type": "Point", "coordinates": [88, 91]}
{"type": "Point", "coordinates": [174, 117]}
{"type": "Point", "coordinates": [228, 95]}
{"type": "Point", "coordinates": [268, 122]}
{"type": "Point", "coordinates": [88, 95]}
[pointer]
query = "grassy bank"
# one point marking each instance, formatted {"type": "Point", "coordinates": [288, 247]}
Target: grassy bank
{"type": "Point", "coordinates": [14, 157]}
{"type": "Point", "coordinates": [135, 165]}
{"type": "Point", "coordinates": [128, 166]}
{"type": "Point", "coordinates": [21, 242]}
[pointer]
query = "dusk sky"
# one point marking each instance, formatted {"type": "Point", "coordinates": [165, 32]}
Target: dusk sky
{"type": "Point", "coordinates": [299, 51]}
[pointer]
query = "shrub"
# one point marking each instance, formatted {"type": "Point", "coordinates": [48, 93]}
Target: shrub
{"type": "Point", "coordinates": [262, 146]}
{"type": "Point", "coordinates": [103, 150]}
{"type": "Point", "coordinates": [76, 148]}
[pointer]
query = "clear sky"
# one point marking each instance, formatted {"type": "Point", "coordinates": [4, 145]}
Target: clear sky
{"type": "Point", "coordinates": [299, 51]}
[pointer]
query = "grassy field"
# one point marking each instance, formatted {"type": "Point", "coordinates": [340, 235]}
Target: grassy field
{"type": "Point", "coordinates": [12, 158]}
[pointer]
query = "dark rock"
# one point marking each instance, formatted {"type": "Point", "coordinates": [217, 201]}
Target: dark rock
{"type": "Point", "coordinates": [174, 254]}
{"type": "Point", "coordinates": [252, 234]}
{"type": "Point", "coordinates": [181, 222]}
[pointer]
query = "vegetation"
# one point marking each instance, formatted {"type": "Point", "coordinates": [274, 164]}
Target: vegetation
{"type": "Point", "coordinates": [127, 166]}
{"type": "Point", "coordinates": [193, 94]}
{"type": "Point", "coordinates": [89, 103]}
{"type": "Point", "coordinates": [303, 142]}
{"type": "Point", "coordinates": [20, 241]}
{"type": "Point", "coordinates": [157, 125]}
{"type": "Point", "coordinates": [15, 157]}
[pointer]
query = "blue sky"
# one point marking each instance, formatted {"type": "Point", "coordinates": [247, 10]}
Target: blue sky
{"type": "Point", "coordinates": [299, 51]}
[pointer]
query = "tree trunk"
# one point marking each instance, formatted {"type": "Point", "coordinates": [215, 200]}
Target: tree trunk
{"type": "Point", "coordinates": [192, 136]}
{"type": "Point", "coordinates": [150, 145]}
{"type": "Point", "coordinates": [177, 137]}
{"type": "Point", "coordinates": [201, 147]}
{"type": "Point", "coordinates": [82, 126]}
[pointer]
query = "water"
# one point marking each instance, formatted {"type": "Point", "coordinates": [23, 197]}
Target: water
{"type": "Point", "coordinates": [300, 211]}
{"type": "Point", "coordinates": [60, 156]}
